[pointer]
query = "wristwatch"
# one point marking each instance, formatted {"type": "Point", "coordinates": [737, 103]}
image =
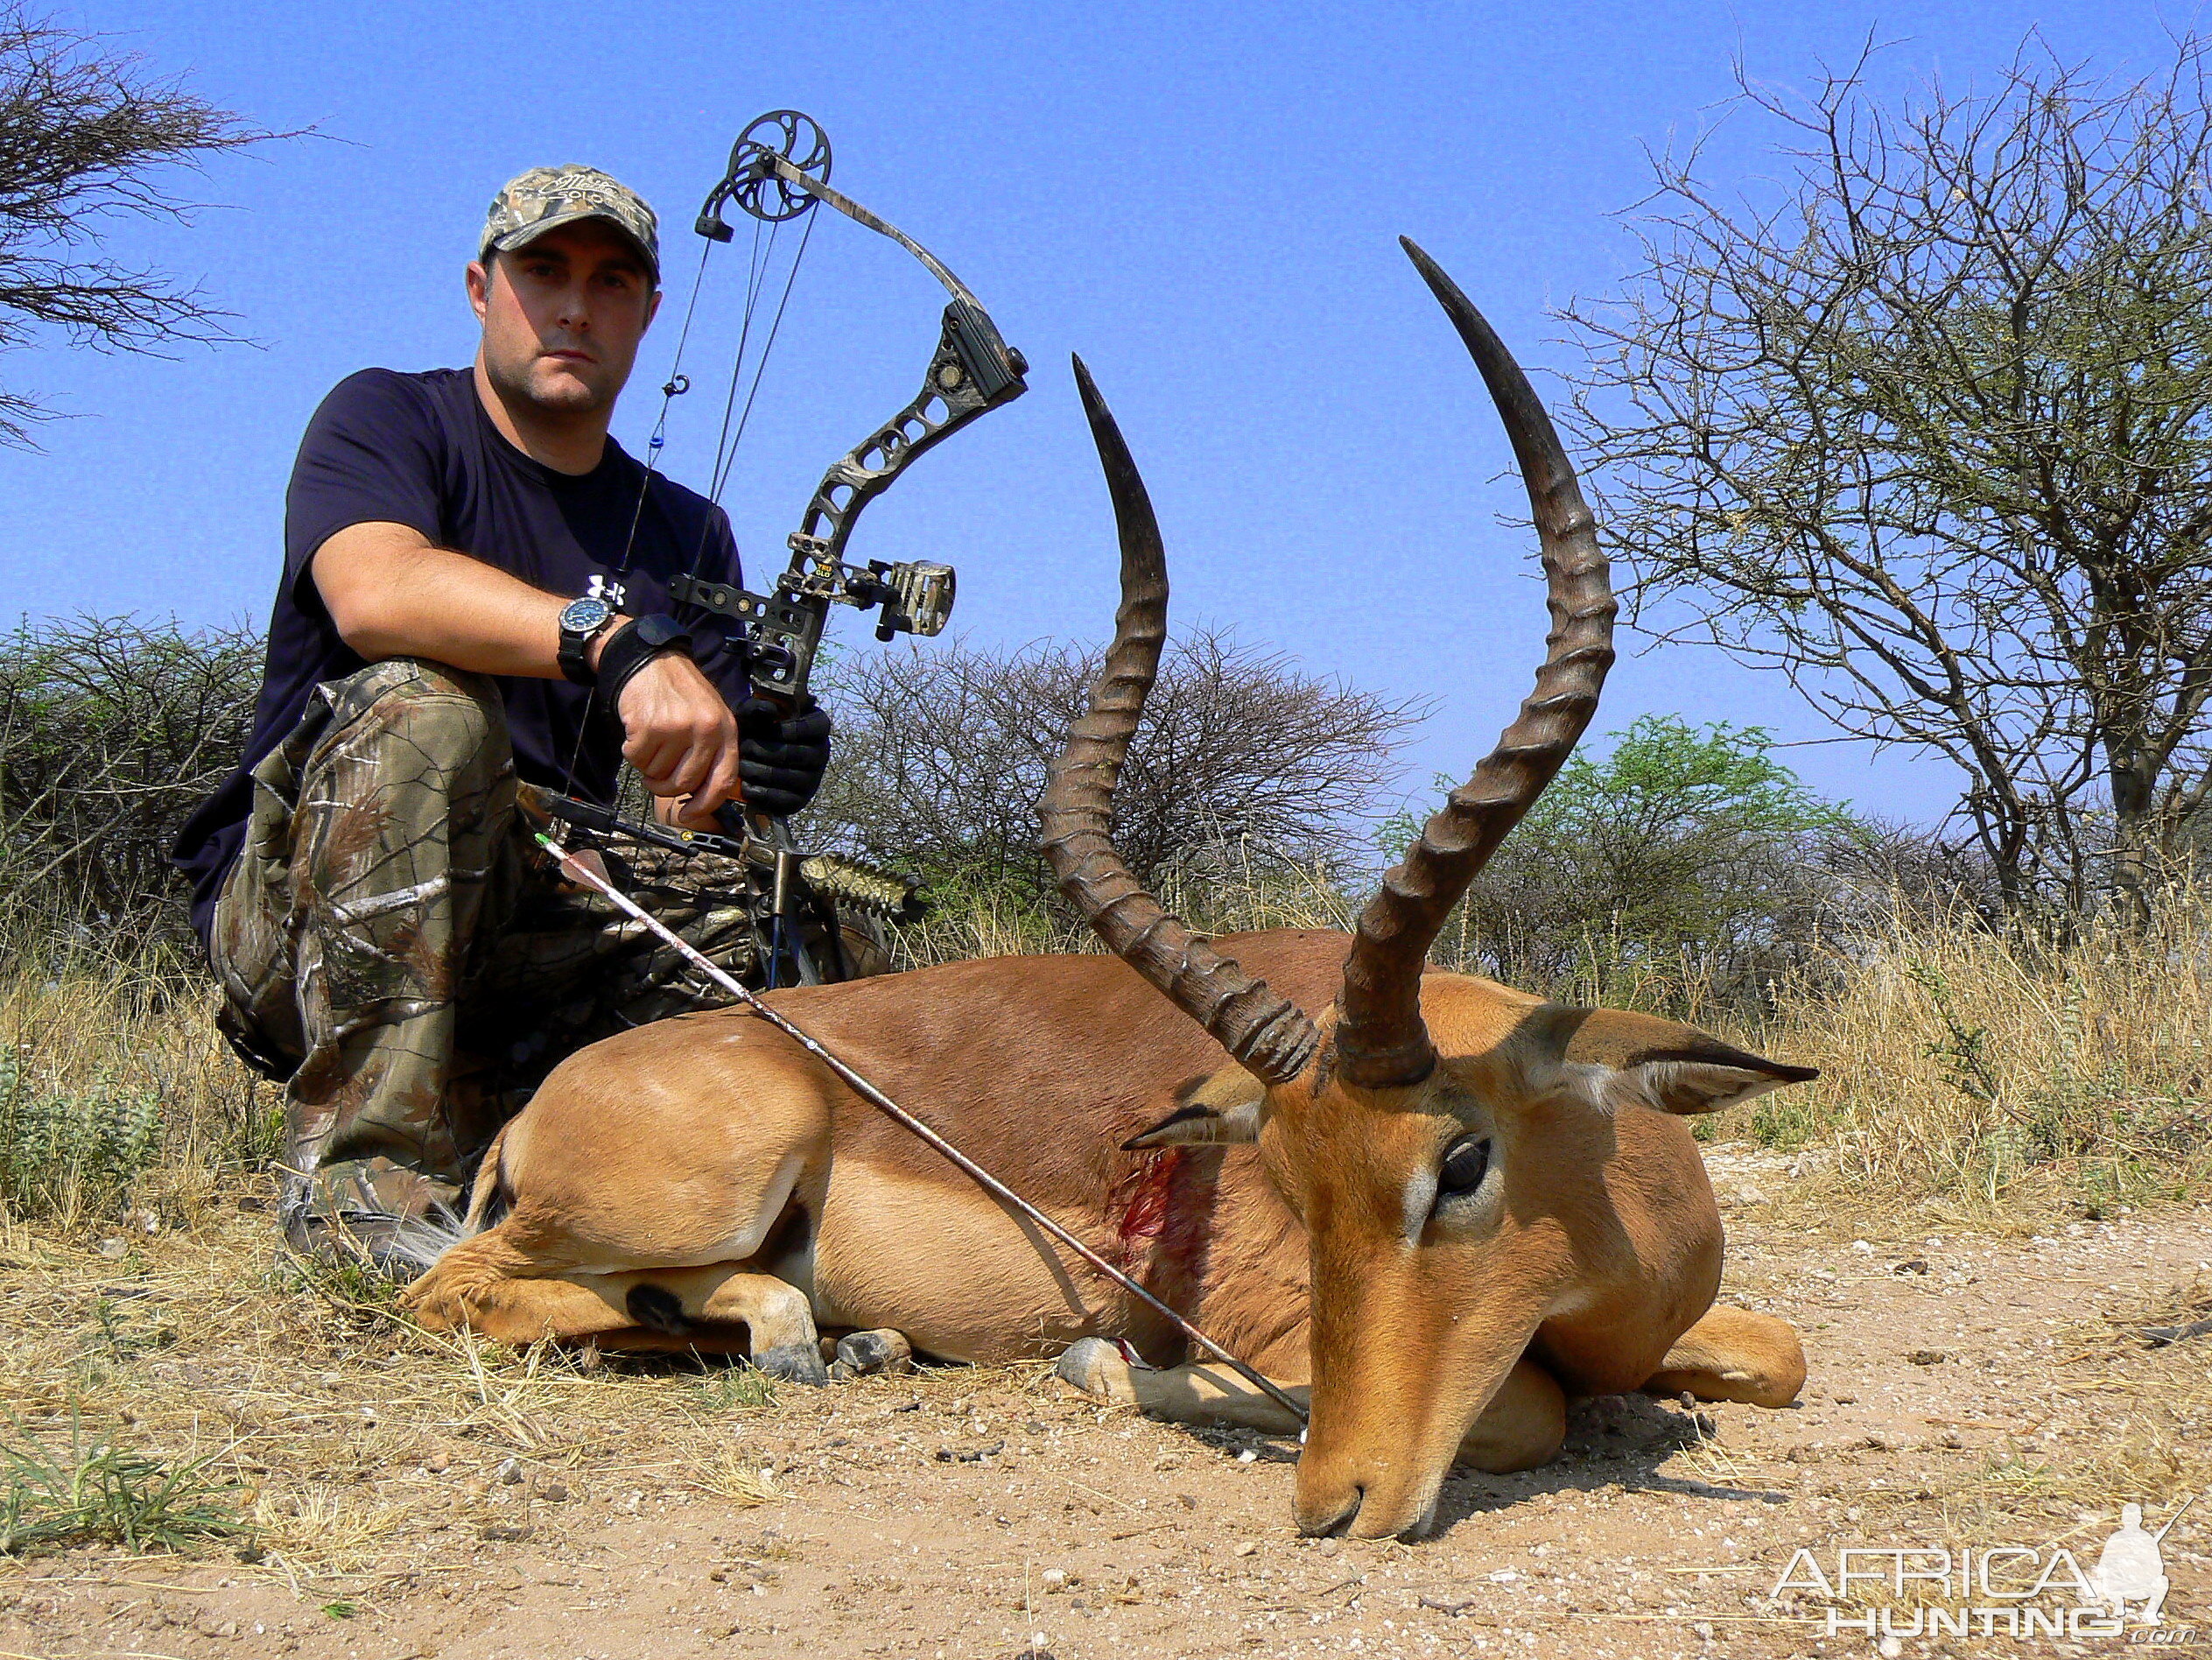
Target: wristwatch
{"type": "Point", "coordinates": [580, 621]}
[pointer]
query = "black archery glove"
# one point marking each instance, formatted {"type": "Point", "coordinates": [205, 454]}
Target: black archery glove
{"type": "Point", "coordinates": [781, 758]}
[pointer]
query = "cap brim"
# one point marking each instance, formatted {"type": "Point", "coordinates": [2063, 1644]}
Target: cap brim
{"type": "Point", "coordinates": [537, 228]}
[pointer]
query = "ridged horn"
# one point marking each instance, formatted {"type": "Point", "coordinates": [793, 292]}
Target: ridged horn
{"type": "Point", "coordinates": [1263, 1029]}
{"type": "Point", "coordinates": [1381, 1040]}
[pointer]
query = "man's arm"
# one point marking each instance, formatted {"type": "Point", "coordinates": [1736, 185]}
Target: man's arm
{"type": "Point", "coordinates": [392, 593]}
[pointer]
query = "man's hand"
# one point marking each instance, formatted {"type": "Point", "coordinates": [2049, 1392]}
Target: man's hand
{"type": "Point", "coordinates": [782, 756]}
{"type": "Point", "coordinates": [681, 737]}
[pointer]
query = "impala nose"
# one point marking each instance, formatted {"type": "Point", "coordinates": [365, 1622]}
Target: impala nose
{"type": "Point", "coordinates": [1362, 1513]}
{"type": "Point", "coordinates": [1332, 1524]}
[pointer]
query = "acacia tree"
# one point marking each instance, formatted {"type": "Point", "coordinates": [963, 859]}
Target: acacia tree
{"type": "Point", "coordinates": [942, 753]}
{"type": "Point", "coordinates": [113, 730]}
{"type": "Point", "coordinates": [1676, 843]}
{"type": "Point", "coordinates": [1686, 864]}
{"type": "Point", "coordinates": [87, 136]}
{"type": "Point", "coordinates": [1931, 431]}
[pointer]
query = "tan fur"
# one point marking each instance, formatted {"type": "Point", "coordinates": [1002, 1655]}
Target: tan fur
{"type": "Point", "coordinates": [1733, 1355]}
{"type": "Point", "coordinates": [710, 1160]}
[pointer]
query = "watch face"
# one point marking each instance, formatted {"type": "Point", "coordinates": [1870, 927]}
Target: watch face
{"type": "Point", "coordinates": [584, 617]}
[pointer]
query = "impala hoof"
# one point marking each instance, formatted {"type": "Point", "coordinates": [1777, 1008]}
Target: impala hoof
{"type": "Point", "coordinates": [865, 1353]}
{"type": "Point", "coordinates": [1095, 1366]}
{"type": "Point", "coordinates": [794, 1363]}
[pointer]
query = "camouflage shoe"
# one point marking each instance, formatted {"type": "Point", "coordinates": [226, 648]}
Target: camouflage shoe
{"type": "Point", "coordinates": [399, 1249]}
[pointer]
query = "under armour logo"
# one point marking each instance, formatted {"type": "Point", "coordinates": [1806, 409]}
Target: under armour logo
{"type": "Point", "coordinates": [612, 593]}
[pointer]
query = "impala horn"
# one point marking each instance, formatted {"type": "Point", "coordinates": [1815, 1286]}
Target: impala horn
{"type": "Point", "coordinates": [1381, 1041]}
{"type": "Point", "coordinates": [1262, 1029]}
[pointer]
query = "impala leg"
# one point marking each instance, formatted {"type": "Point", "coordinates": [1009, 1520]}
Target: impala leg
{"type": "Point", "coordinates": [879, 1352]}
{"type": "Point", "coordinates": [1733, 1355]}
{"type": "Point", "coordinates": [1520, 1428]}
{"type": "Point", "coordinates": [484, 1285]}
{"type": "Point", "coordinates": [775, 1314]}
{"type": "Point", "coordinates": [475, 1286]}
{"type": "Point", "coordinates": [1180, 1394]}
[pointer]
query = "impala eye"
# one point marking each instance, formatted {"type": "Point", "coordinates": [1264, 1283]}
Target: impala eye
{"type": "Point", "coordinates": [1465, 1164]}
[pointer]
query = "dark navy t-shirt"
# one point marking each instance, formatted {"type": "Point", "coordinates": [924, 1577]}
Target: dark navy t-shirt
{"type": "Point", "coordinates": [419, 450]}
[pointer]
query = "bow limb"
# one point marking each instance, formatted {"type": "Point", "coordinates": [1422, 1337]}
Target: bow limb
{"type": "Point", "coordinates": [781, 167]}
{"type": "Point", "coordinates": [973, 371]}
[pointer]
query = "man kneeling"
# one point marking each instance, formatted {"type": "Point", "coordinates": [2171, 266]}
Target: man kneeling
{"type": "Point", "coordinates": [475, 609]}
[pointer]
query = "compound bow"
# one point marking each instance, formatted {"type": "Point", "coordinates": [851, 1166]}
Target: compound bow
{"type": "Point", "coordinates": [779, 170]}
{"type": "Point", "coordinates": [973, 371]}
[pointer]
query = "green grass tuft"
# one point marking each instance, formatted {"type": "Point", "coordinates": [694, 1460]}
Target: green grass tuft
{"type": "Point", "coordinates": [93, 1143]}
{"type": "Point", "coordinates": [732, 1388]}
{"type": "Point", "coordinates": [101, 1494]}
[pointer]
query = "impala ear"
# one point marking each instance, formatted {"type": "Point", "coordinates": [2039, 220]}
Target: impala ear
{"type": "Point", "coordinates": [1619, 1058]}
{"type": "Point", "coordinates": [1701, 1081]}
{"type": "Point", "coordinates": [1228, 1107]}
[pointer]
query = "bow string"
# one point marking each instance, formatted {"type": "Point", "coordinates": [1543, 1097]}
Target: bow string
{"type": "Point", "coordinates": [778, 172]}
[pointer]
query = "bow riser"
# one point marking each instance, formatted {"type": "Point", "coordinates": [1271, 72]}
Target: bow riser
{"type": "Point", "coordinates": [969, 376]}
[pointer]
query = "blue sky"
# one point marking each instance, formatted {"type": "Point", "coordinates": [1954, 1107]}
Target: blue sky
{"type": "Point", "coordinates": [1204, 201]}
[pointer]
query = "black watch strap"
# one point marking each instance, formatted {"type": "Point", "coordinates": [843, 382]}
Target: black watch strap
{"type": "Point", "coordinates": [632, 646]}
{"type": "Point", "coordinates": [575, 658]}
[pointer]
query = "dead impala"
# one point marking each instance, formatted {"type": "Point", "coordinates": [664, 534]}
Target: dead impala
{"type": "Point", "coordinates": [1440, 1205]}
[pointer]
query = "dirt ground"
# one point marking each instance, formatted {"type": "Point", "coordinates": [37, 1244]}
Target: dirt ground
{"type": "Point", "coordinates": [412, 1496]}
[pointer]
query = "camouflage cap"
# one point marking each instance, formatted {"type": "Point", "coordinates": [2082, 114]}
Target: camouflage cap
{"type": "Point", "coordinates": [545, 197]}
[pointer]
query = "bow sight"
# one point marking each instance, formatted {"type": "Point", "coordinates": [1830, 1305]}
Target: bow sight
{"type": "Point", "coordinates": [785, 629]}
{"type": "Point", "coordinates": [779, 169]}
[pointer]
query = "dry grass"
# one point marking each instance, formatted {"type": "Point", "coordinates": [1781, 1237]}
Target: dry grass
{"type": "Point", "coordinates": [2137, 1424]}
{"type": "Point", "coordinates": [325, 1431]}
{"type": "Point", "coordinates": [85, 1032]}
{"type": "Point", "coordinates": [1966, 1077]}
{"type": "Point", "coordinates": [1980, 1079]}
{"type": "Point", "coordinates": [1254, 893]}
{"type": "Point", "coordinates": [333, 1441]}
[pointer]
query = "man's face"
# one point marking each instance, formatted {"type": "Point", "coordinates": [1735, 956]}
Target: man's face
{"type": "Point", "coordinates": [563, 316]}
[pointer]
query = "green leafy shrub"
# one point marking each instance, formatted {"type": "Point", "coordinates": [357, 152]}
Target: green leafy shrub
{"type": "Point", "coordinates": [90, 1145]}
{"type": "Point", "coordinates": [1680, 868]}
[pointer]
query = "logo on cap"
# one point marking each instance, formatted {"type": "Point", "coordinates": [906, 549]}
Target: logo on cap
{"type": "Point", "coordinates": [546, 198]}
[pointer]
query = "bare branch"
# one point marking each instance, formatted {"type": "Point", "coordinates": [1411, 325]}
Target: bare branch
{"type": "Point", "coordinates": [1931, 431]}
{"type": "Point", "coordinates": [942, 753]}
{"type": "Point", "coordinates": [88, 136]}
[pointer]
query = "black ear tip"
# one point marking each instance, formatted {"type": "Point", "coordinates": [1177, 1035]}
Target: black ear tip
{"type": "Point", "coordinates": [1798, 1074]}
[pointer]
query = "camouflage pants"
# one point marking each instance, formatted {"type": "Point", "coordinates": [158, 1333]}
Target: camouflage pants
{"type": "Point", "coordinates": [393, 928]}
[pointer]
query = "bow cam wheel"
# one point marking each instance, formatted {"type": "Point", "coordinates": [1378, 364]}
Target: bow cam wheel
{"type": "Point", "coordinates": [797, 138]}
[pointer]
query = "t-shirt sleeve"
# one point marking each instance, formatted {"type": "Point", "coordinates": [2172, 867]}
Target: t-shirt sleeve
{"type": "Point", "coordinates": [371, 453]}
